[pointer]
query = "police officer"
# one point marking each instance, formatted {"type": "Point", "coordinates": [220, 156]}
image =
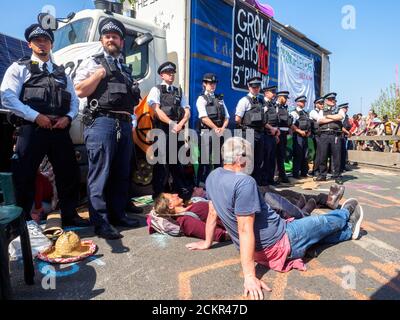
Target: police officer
{"type": "Point", "coordinates": [301, 131]}
{"type": "Point", "coordinates": [314, 117]}
{"type": "Point", "coordinates": [271, 136]}
{"type": "Point", "coordinates": [330, 127]}
{"type": "Point", "coordinates": [111, 95]}
{"type": "Point", "coordinates": [250, 116]}
{"type": "Point", "coordinates": [172, 112]}
{"type": "Point", "coordinates": [39, 92]}
{"type": "Point", "coordinates": [346, 134]}
{"type": "Point", "coordinates": [284, 123]}
{"type": "Point", "coordinates": [213, 120]}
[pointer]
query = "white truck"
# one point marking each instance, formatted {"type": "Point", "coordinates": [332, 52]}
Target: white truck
{"type": "Point", "coordinates": [195, 34]}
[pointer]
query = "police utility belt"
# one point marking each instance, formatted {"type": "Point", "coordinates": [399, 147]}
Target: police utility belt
{"type": "Point", "coordinates": [330, 132]}
{"type": "Point", "coordinates": [94, 111]}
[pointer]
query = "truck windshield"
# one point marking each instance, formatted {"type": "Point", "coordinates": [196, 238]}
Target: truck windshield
{"type": "Point", "coordinates": [137, 57]}
{"type": "Point", "coordinates": [75, 32]}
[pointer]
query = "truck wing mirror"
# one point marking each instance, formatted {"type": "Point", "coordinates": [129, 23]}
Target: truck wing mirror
{"type": "Point", "coordinates": [144, 39]}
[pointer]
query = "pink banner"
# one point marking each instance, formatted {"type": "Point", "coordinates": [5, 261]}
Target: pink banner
{"type": "Point", "coordinates": [264, 8]}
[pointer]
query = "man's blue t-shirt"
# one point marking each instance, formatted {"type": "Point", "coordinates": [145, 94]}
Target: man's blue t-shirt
{"type": "Point", "coordinates": [236, 194]}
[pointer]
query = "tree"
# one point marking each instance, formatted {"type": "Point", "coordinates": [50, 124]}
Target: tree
{"type": "Point", "coordinates": [388, 103]}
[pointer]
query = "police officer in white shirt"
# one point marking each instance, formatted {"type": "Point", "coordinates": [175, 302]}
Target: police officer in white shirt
{"type": "Point", "coordinates": [284, 123]}
{"type": "Point", "coordinates": [112, 94]}
{"type": "Point", "coordinates": [301, 131]}
{"type": "Point", "coordinates": [330, 127]}
{"type": "Point", "coordinates": [315, 115]}
{"type": "Point", "coordinates": [250, 116]}
{"type": "Point", "coordinates": [42, 96]}
{"type": "Point", "coordinates": [213, 120]}
{"type": "Point", "coordinates": [172, 112]}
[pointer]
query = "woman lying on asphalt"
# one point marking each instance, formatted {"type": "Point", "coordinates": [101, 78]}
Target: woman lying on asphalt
{"type": "Point", "coordinates": [257, 231]}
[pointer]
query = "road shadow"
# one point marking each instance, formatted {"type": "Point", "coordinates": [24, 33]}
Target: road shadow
{"type": "Point", "coordinates": [389, 291]}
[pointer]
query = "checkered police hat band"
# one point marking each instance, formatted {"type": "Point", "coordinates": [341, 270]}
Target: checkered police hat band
{"type": "Point", "coordinates": [39, 32]}
{"type": "Point", "coordinates": [111, 27]}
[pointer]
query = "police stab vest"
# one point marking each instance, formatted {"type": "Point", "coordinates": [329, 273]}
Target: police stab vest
{"type": "Point", "coordinates": [45, 92]}
{"type": "Point", "coordinates": [304, 122]}
{"type": "Point", "coordinates": [284, 118]}
{"type": "Point", "coordinates": [333, 126]}
{"type": "Point", "coordinates": [114, 92]}
{"type": "Point", "coordinates": [170, 103]}
{"type": "Point", "coordinates": [272, 115]}
{"type": "Point", "coordinates": [314, 125]}
{"type": "Point", "coordinates": [254, 118]}
{"type": "Point", "coordinates": [215, 110]}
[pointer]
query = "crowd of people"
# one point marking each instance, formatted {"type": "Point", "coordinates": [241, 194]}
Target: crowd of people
{"type": "Point", "coordinates": [238, 200]}
{"type": "Point", "coordinates": [372, 125]}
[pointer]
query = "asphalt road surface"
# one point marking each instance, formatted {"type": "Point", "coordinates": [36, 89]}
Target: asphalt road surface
{"type": "Point", "coordinates": [159, 267]}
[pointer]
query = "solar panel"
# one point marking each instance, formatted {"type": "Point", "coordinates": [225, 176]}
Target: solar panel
{"type": "Point", "coordinates": [11, 49]}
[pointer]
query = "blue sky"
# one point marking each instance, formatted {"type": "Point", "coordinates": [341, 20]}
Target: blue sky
{"type": "Point", "coordinates": [363, 60]}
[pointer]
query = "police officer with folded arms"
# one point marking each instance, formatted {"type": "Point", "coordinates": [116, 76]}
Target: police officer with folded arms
{"type": "Point", "coordinates": [284, 124]}
{"type": "Point", "coordinates": [111, 95]}
{"type": "Point", "coordinates": [315, 114]}
{"type": "Point", "coordinates": [213, 120]}
{"type": "Point", "coordinates": [172, 112]}
{"type": "Point", "coordinates": [330, 128]}
{"type": "Point", "coordinates": [301, 131]}
{"type": "Point", "coordinates": [40, 93]}
{"type": "Point", "coordinates": [250, 116]}
{"type": "Point", "coordinates": [271, 136]}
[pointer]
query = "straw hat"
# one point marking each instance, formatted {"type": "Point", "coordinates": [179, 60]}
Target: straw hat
{"type": "Point", "coordinates": [68, 248]}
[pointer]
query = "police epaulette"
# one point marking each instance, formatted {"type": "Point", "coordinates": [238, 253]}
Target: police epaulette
{"type": "Point", "coordinates": [24, 61]}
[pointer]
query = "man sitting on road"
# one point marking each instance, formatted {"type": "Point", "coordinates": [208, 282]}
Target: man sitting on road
{"type": "Point", "coordinates": [259, 233]}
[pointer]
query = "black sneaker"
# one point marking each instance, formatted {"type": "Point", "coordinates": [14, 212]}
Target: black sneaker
{"type": "Point", "coordinates": [310, 206]}
{"type": "Point", "coordinates": [356, 216]}
{"type": "Point", "coordinates": [320, 179]}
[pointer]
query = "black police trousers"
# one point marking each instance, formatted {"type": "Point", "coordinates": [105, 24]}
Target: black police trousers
{"type": "Point", "coordinates": [210, 155]}
{"type": "Point", "coordinates": [317, 160]}
{"type": "Point", "coordinates": [330, 144]}
{"type": "Point", "coordinates": [33, 144]}
{"type": "Point", "coordinates": [162, 172]}
{"type": "Point", "coordinates": [258, 155]}
{"type": "Point", "coordinates": [281, 154]}
{"type": "Point", "coordinates": [300, 156]}
{"type": "Point", "coordinates": [269, 165]}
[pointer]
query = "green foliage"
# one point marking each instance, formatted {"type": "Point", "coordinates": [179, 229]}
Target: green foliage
{"type": "Point", "coordinates": [131, 2]}
{"type": "Point", "coordinates": [388, 103]}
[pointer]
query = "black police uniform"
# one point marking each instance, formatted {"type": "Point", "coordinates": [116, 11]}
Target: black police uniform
{"type": "Point", "coordinates": [170, 104]}
{"type": "Point", "coordinates": [210, 152]}
{"type": "Point", "coordinates": [346, 125]}
{"type": "Point", "coordinates": [270, 143]}
{"type": "Point", "coordinates": [331, 137]}
{"type": "Point", "coordinates": [108, 139]}
{"type": "Point", "coordinates": [284, 122]}
{"type": "Point", "coordinates": [254, 119]}
{"type": "Point", "coordinates": [47, 94]}
{"type": "Point", "coordinates": [315, 134]}
{"type": "Point", "coordinates": [300, 145]}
